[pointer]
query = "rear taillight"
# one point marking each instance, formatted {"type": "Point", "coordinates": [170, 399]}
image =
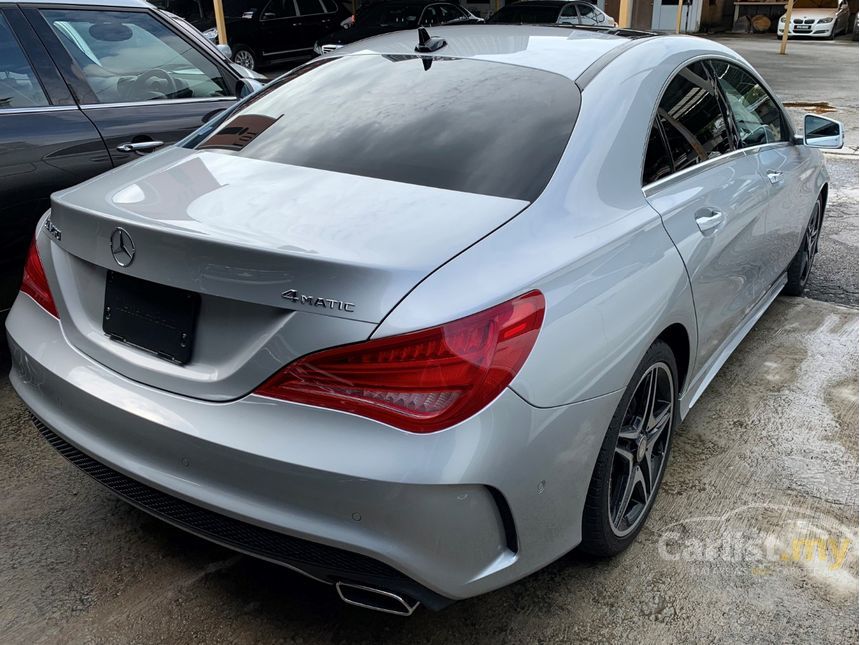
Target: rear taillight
{"type": "Point", "coordinates": [35, 284]}
{"type": "Point", "coordinates": [421, 381]}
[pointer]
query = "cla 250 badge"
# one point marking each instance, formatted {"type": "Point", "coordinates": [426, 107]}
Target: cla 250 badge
{"type": "Point", "coordinates": [312, 301]}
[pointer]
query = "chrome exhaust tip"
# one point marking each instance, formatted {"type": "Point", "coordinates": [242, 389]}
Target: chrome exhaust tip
{"type": "Point", "coordinates": [376, 599]}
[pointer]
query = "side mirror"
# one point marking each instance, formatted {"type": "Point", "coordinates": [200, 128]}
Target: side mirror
{"type": "Point", "coordinates": [821, 132]}
{"type": "Point", "coordinates": [246, 86]}
{"type": "Point", "coordinates": [225, 50]}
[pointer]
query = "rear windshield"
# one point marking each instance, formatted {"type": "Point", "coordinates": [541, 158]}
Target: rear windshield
{"type": "Point", "coordinates": [465, 125]}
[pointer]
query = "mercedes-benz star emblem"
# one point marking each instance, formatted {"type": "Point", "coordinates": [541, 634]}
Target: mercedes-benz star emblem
{"type": "Point", "coordinates": [122, 247]}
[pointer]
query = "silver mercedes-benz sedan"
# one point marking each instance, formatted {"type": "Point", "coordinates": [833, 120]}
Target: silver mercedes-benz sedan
{"type": "Point", "coordinates": [422, 316]}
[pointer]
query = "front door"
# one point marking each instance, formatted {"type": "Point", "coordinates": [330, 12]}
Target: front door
{"type": "Point", "coordinates": [787, 168]}
{"type": "Point", "coordinates": [136, 78]}
{"type": "Point", "coordinates": [713, 203]}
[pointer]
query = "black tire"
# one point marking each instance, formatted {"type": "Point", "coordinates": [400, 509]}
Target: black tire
{"type": "Point", "coordinates": [801, 265]}
{"type": "Point", "coordinates": [246, 57]}
{"type": "Point", "coordinates": [600, 537]}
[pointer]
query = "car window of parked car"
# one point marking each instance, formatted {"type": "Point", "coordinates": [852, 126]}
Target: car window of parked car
{"type": "Point", "coordinates": [431, 16]}
{"type": "Point", "coordinates": [404, 124]}
{"type": "Point", "coordinates": [658, 164]}
{"type": "Point", "coordinates": [19, 86]}
{"type": "Point", "coordinates": [756, 114]}
{"type": "Point", "coordinates": [309, 7]}
{"type": "Point", "coordinates": [586, 9]}
{"type": "Point", "coordinates": [448, 12]}
{"type": "Point", "coordinates": [132, 56]}
{"type": "Point", "coordinates": [525, 14]}
{"type": "Point", "coordinates": [569, 11]}
{"type": "Point", "coordinates": [690, 115]}
{"type": "Point", "coordinates": [279, 9]}
{"type": "Point", "coordinates": [330, 6]}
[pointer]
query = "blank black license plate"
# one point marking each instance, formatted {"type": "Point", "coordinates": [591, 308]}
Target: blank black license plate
{"type": "Point", "coordinates": [154, 317]}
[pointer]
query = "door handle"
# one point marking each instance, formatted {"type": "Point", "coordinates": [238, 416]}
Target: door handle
{"type": "Point", "coordinates": [775, 176]}
{"type": "Point", "coordinates": [709, 221]}
{"type": "Point", "coordinates": [139, 148]}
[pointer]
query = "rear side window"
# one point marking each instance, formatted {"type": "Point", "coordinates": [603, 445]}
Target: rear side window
{"type": "Point", "coordinates": [450, 125]}
{"type": "Point", "coordinates": [19, 87]}
{"type": "Point", "coordinates": [692, 119]}
{"type": "Point", "coordinates": [756, 114]}
{"type": "Point", "coordinates": [657, 161]}
{"type": "Point", "coordinates": [309, 7]}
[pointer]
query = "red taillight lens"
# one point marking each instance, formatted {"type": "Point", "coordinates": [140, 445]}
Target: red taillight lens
{"type": "Point", "coordinates": [422, 381]}
{"type": "Point", "coordinates": [35, 284]}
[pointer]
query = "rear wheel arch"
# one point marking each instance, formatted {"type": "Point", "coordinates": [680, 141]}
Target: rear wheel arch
{"type": "Point", "coordinates": [678, 340]}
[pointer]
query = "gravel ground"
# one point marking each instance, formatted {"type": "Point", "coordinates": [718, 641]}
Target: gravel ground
{"type": "Point", "coordinates": [753, 538]}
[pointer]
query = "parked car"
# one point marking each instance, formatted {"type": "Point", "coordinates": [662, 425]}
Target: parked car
{"type": "Point", "coordinates": [85, 88]}
{"type": "Point", "coordinates": [395, 15]}
{"type": "Point", "coordinates": [552, 12]}
{"type": "Point", "coordinates": [223, 51]}
{"type": "Point", "coordinates": [395, 323]}
{"type": "Point", "coordinates": [817, 19]}
{"type": "Point", "coordinates": [855, 32]}
{"type": "Point", "coordinates": [283, 30]}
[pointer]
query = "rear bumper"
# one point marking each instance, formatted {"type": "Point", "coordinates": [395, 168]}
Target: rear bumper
{"type": "Point", "coordinates": [441, 516]}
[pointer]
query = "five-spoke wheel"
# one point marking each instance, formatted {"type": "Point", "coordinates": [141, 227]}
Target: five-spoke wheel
{"type": "Point", "coordinates": [640, 451]}
{"type": "Point", "coordinates": [633, 456]}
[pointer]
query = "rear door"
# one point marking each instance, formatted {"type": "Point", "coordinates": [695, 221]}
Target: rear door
{"type": "Point", "coordinates": [713, 202]}
{"type": "Point", "coordinates": [46, 143]}
{"type": "Point", "coordinates": [135, 77]}
{"type": "Point", "coordinates": [763, 131]}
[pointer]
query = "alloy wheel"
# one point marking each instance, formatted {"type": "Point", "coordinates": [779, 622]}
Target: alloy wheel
{"type": "Point", "coordinates": [641, 449]}
{"type": "Point", "coordinates": [810, 242]}
{"type": "Point", "coordinates": [244, 58]}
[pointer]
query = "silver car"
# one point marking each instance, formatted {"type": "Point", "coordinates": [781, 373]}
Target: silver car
{"type": "Point", "coordinates": [422, 316]}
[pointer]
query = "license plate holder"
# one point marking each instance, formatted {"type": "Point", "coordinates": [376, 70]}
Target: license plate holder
{"type": "Point", "coordinates": [152, 317]}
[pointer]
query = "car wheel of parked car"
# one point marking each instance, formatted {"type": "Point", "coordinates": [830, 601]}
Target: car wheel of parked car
{"type": "Point", "coordinates": [633, 457]}
{"type": "Point", "coordinates": [245, 57]}
{"type": "Point", "coordinates": [801, 265]}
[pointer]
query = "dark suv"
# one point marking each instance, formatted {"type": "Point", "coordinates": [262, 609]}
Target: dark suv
{"type": "Point", "coordinates": [282, 30]}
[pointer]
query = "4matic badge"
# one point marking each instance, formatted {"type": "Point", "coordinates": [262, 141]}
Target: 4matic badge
{"type": "Point", "coordinates": [313, 301]}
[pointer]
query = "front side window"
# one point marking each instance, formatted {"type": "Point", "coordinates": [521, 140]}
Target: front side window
{"type": "Point", "coordinates": [756, 114]}
{"type": "Point", "coordinates": [19, 87]}
{"type": "Point", "coordinates": [586, 10]}
{"type": "Point", "coordinates": [279, 9]}
{"type": "Point", "coordinates": [131, 56]}
{"type": "Point", "coordinates": [447, 126]}
{"type": "Point", "coordinates": [692, 119]}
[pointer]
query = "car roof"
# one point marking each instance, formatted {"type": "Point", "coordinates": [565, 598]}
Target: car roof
{"type": "Point", "coordinates": [90, 3]}
{"type": "Point", "coordinates": [562, 49]}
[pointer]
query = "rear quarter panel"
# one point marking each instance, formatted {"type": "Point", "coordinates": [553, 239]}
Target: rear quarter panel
{"type": "Point", "coordinates": [611, 276]}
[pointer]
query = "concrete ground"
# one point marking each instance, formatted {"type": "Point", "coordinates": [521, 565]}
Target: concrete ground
{"type": "Point", "coordinates": [753, 537]}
